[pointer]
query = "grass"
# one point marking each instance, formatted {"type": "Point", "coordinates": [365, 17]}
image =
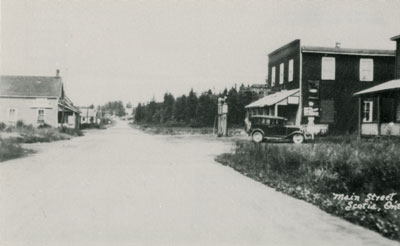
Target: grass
{"type": "Point", "coordinates": [166, 129]}
{"type": "Point", "coordinates": [9, 149]}
{"type": "Point", "coordinates": [315, 172]}
{"type": "Point", "coordinates": [179, 129]}
{"type": "Point", "coordinates": [31, 134]}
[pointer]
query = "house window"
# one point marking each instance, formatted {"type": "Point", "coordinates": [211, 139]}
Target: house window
{"type": "Point", "coordinates": [367, 111]}
{"type": "Point", "coordinates": [40, 116]}
{"type": "Point", "coordinates": [281, 73]}
{"type": "Point", "coordinates": [366, 69]}
{"type": "Point", "coordinates": [273, 76]}
{"type": "Point", "coordinates": [328, 68]}
{"type": "Point", "coordinates": [12, 115]}
{"type": "Point", "coordinates": [290, 71]}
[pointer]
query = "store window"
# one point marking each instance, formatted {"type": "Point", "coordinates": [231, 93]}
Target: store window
{"type": "Point", "coordinates": [367, 111]}
{"type": "Point", "coordinates": [366, 69]}
{"type": "Point", "coordinates": [290, 71]}
{"type": "Point", "coordinates": [273, 76]}
{"type": "Point", "coordinates": [328, 68]}
{"type": "Point", "coordinates": [281, 73]}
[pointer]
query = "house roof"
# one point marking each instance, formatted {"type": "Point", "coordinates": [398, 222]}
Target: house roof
{"type": "Point", "coordinates": [30, 86]}
{"type": "Point", "coordinates": [390, 85]}
{"type": "Point", "coordinates": [395, 38]}
{"type": "Point", "coordinates": [272, 99]}
{"type": "Point", "coordinates": [346, 51]}
{"type": "Point", "coordinates": [284, 47]}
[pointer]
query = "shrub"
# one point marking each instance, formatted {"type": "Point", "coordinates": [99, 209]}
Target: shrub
{"type": "Point", "coordinates": [2, 126]}
{"type": "Point", "coordinates": [20, 124]}
{"type": "Point", "coordinates": [44, 125]}
{"type": "Point", "coordinates": [71, 131]}
{"type": "Point", "coordinates": [9, 149]}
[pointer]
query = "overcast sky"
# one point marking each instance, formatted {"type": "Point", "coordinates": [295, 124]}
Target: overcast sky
{"type": "Point", "coordinates": [136, 50]}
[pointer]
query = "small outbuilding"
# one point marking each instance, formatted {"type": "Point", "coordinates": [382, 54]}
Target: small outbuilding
{"type": "Point", "coordinates": [380, 109]}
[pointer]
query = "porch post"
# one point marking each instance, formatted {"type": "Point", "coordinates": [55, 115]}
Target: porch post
{"type": "Point", "coordinates": [359, 117]}
{"type": "Point", "coordinates": [62, 117]}
{"type": "Point", "coordinates": [379, 115]}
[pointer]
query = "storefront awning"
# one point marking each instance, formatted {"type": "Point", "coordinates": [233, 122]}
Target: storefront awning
{"type": "Point", "coordinates": [390, 85]}
{"type": "Point", "coordinates": [272, 99]}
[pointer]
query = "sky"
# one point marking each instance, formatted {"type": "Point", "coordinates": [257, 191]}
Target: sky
{"type": "Point", "coordinates": [137, 50]}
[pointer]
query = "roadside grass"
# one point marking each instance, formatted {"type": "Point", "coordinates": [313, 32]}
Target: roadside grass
{"type": "Point", "coordinates": [9, 149]}
{"type": "Point", "coordinates": [12, 136]}
{"type": "Point", "coordinates": [315, 172]}
{"type": "Point", "coordinates": [171, 129]}
{"type": "Point", "coordinates": [181, 129]}
{"type": "Point", "coordinates": [31, 134]}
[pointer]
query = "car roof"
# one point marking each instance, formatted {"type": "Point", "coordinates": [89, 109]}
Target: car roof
{"type": "Point", "coordinates": [268, 117]}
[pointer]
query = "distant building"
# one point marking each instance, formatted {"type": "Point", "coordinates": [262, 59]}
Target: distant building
{"type": "Point", "coordinates": [315, 85]}
{"type": "Point", "coordinates": [36, 100]}
{"type": "Point", "coordinates": [89, 115]}
{"type": "Point", "coordinates": [379, 105]}
{"type": "Point", "coordinates": [260, 89]}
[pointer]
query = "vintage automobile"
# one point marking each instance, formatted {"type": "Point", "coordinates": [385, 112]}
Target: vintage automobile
{"type": "Point", "coordinates": [261, 127]}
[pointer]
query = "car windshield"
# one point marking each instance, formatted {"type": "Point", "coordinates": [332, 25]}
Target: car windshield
{"type": "Point", "coordinates": [266, 121]}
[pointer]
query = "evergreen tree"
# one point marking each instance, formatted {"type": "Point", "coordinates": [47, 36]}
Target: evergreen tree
{"type": "Point", "coordinates": [167, 108]}
{"type": "Point", "coordinates": [179, 110]}
{"type": "Point", "coordinates": [191, 107]}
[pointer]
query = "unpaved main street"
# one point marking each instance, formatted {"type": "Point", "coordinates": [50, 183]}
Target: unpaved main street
{"type": "Point", "coordinates": [123, 187]}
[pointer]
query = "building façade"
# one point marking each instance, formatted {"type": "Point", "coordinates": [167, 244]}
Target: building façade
{"type": "Point", "coordinates": [325, 80]}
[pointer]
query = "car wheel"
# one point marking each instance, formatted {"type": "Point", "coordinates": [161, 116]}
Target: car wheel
{"type": "Point", "coordinates": [298, 138]}
{"type": "Point", "coordinates": [257, 137]}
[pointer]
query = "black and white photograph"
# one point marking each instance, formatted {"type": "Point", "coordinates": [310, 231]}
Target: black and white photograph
{"type": "Point", "coordinates": [207, 123]}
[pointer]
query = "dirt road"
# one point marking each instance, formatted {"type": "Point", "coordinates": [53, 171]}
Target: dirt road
{"type": "Point", "coordinates": [123, 187]}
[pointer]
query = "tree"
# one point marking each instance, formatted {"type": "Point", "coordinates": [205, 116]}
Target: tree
{"type": "Point", "coordinates": [114, 108]}
{"type": "Point", "coordinates": [233, 104]}
{"type": "Point", "coordinates": [191, 107]}
{"type": "Point", "coordinates": [179, 109]}
{"type": "Point", "coordinates": [206, 109]}
{"type": "Point", "coordinates": [167, 109]}
{"type": "Point", "coordinates": [139, 114]}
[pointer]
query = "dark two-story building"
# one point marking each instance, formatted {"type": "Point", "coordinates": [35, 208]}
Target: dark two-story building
{"type": "Point", "coordinates": [315, 85]}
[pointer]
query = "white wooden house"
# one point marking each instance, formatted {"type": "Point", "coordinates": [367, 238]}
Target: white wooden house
{"type": "Point", "coordinates": [36, 100]}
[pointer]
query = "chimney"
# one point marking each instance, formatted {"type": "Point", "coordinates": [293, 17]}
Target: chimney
{"type": "Point", "coordinates": [58, 73]}
{"type": "Point", "coordinates": [338, 45]}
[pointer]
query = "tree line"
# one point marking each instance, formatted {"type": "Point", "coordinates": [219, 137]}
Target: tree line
{"type": "Point", "coordinates": [195, 110]}
{"type": "Point", "coordinates": [113, 108]}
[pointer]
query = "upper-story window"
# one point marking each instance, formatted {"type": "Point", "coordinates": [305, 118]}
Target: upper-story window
{"type": "Point", "coordinates": [273, 76]}
{"type": "Point", "coordinates": [290, 71]}
{"type": "Point", "coordinates": [366, 69]}
{"type": "Point", "coordinates": [328, 68]}
{"type": "Point", "coordinates": [281, 73]}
